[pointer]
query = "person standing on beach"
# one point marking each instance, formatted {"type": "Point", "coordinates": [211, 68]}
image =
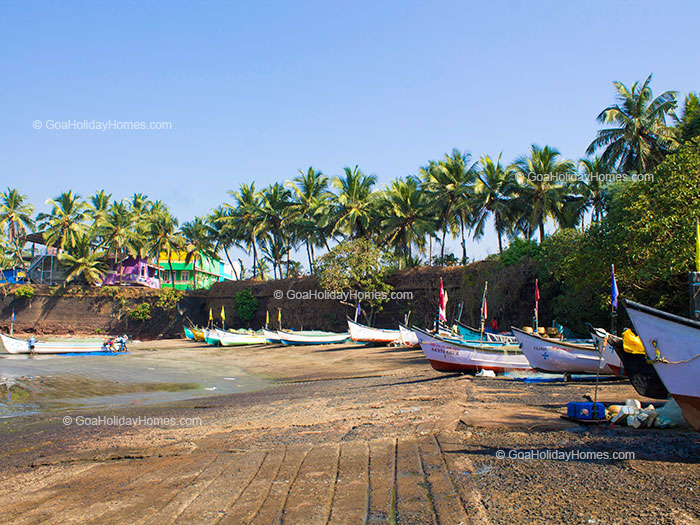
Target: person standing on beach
{"type": "Point", "coordinates": [32, 345]}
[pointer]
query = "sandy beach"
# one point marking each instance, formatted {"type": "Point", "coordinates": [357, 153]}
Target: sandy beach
{"type": "Point", "coordinates": [346, 434]}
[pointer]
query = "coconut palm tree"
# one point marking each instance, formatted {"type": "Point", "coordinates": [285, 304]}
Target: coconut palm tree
{"type": "Point", "coordinates": [65, 223]}
{"type": "Point", "coordinates": [246, 219]}
{"type": "Point", "coordinates": [354, 211]}
{"type": "Point", "coordinates": [406, 217]}
{"type": "Point", "coordinates": [200, 244]}
{"type": "Point", "coordinates": [494, 189]}
{"type": "Point", "coordinates": [163, 237]}
{"type": "Point", "coordinates": [451, 182]}
{"type": "Point", "coordinates": [640, 137]}
{"type": "Point", "coordinates": [83, 261]}
{"type": "Point", "coordinates": [541, 184]}
{"type": "Point", "coordinates": [15, 218]}
{"type": "Point", "coordinates": [311, 210]}
{"type": "Point", "coordinates": [592, 186]}
{"type": "Point", "coordinates": [223, 232]}
{"type": "Point", "coordinates": [688, 121]}
{"type": "Point", "coordinates": [276, 222]}
{"type": "Point", "coordinates": [116, 229]}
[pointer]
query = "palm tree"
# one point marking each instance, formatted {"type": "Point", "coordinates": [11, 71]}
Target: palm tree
{"type": "Point", "coordinates": [450, 182]}
{"type": "Point", "coordinates": [406, 216]}
{"type": "Point", "coordinates": [541, 189]}
{"type": "Point", "coordinates": [222, 231]}
{"type": "Point", "coordinates": [276, 222]}
{"type": "Point", "coordinates": [246, 219]}
{"type": "Point", "coordinates": [495, 186]}
{"type": "Point", "coordinates": [640, 138]}
{"type": "Point", "coordinates": [116, 230]}
{"type": "Point", "coordinates": [688, 121]}
{"type": "Point", "coordinates": [592, 186]}
{"type": "Point", "coordinates": [200, 244]}
{"type": "Point", "coordinates": [16, 216]}
{"type": "Point", "coordinates": [354, 212]}
{"type": "Point", "coordinates": [82, 261]}
{"type": "Point", "coordinates": [163, 237]}
{"type": "Point", "coordinates": [65, 223]}
{"type": "Point", "coordinates": [310, 210]}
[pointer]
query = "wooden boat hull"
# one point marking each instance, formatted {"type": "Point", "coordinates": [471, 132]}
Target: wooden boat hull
{"type": "Point", "coordinates": [210, 337]}
{"type": "Point", "coordinates": [408, 337]}
{"type": "Point", "coordinates": [678, 342]}
{"type": "Point", "coordinates": [312, 338]}
{"type": "Point", "coordinates": [240, 339]}
{"type": "Point", "coordinates": [447, 355]}
{"type": "Point", "coordinates": [188, 334]}
{"type": "Point", "coordinates": [548, 355]}
{"type": "Point", "coordinates": [19, 346]}
{"type": "Point", "coordinates": [641, 374]}
{"type": "Point", "coordinates": [366, 334]}
{"type": "Point", "coordinates": [198, 334]}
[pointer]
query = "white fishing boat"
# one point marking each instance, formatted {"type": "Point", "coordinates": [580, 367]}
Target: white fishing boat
{"type": "Point", "coordinates": [240, 338]}
{"type": "Point", "coordinates": [603, 341]}
{"type": "Point", "coordinates": [408, 337]}
{"type": "Point", "coordinates": [556, 356]}
{"type": "Point", "coordinates": [312, 337]}
{"type": "Point", "coordinates": [366, 334]}
{"type": "Point", "coordinates": [471, 334]}
{"type": "Point", "coordinates": [453, 355]}
{"type": "Point", "coordinates": [672, 344]}
{"type": "Point", "coordinates": [21, 346]}
{"type": "Point", "coordinates": [271, 336]}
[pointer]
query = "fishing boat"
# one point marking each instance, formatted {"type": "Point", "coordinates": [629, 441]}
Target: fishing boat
{"type": "Point", "coordinates": [672, 344]}
{"type": "Point", "coordinates": [366, 334]}
{"type": "Point", "coordinates": [240, 338]}
{"type": "Point", "coordinates": [198, 334]}
{"type": "Point", "coordinates": [641, 373]}
{"type": "Point", "coordinates": [408, 337]}
{"type": "Point", "coordinates": [271, 336]}
{"type": "Point", "coordinates": [453, 355]}
{"type": "Point", "coordinates": [211, 337]}
{"type": "Point", "coordinates": [188, 334]}
{"type": "Point", "coordinates": [21, 346]}
{"type": "Point", "coordinates": [312, 337]}
{"type": "Point", "coordinates": [470, 334]}
{"type": "Point", "coordinates": [556, 356]}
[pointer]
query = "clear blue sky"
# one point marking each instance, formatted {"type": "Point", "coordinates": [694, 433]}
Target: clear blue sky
{"type": "Point", "coordinates": [257, 90]}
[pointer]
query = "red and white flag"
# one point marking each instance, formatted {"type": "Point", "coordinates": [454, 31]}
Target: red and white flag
{"type": "Point", "coordinates": [442, 306]}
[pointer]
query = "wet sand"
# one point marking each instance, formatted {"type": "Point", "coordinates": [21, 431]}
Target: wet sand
{"type": "Point", "coordinates": [348, 434]}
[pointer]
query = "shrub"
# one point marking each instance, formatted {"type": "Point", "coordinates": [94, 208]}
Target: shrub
{"type": "Point", "coordinates": [24, 291]}
{"type": "Point", "coordinates": [246, 304]}
{"type": "Point", "coordinates": [141, 312]}
{"type": "Point", "coordinates": [168, 298]}
{"type": "Point", "coordinates": [519, 249]}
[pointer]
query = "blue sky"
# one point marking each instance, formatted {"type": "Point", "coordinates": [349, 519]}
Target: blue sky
{"type": "Point", "coordinates": [257, 90]}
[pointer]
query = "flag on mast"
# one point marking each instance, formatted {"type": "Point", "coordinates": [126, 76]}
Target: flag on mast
{"type": "Point", "coordinates": [442, 306]}
{"type": "Point", "coordinates": [614, 292]}
{"type": "Point", "coordinates": [267, 318]}
{"type": "Point", "coordinates": [358, 310]}
{"type": "Point", "coordinates": [211, 315]}
{"type": "Point", "coordinates": [537, 299]}
{"type": "Point", "coordinates": [223, 313]}
{"type": "Point", "coordinates": [279, 318]}
{"type": "Point", "coordinates": [484, 307]}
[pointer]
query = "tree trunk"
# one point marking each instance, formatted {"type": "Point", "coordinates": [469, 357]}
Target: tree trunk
{"type": "Point", "coordinates": [233, 268]}
{"type": "Point", "coordinates": [541, 225]}
{"type": "Point", "coordinates": [497, 221]}
{"type": "Point", "coordinates": [464, 244]}
{"type": "Point", "coordinates": [172, 272]}
{"type": "Point", "coordinates": [255, 258]}
{"type": "Point", "coordinates": [442, 248]}
{"type": "Point", "coordinates": [308, 254]}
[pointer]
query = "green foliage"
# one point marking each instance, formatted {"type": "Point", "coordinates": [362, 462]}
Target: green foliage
{"type": "Point", "coordinates": [519, 249]}
{"type": "Point", "coordinates": [168, 298]}
{"type": "Point", "coordinates": [449, 259]}
{"type": "Point", "coordinates": [357, 266]}
{"type": "Point", "coordinates": [246, 304]}
{"type": "Point", "coordinates": [141, 312]}
{"type": "Point", "coordinates": [648, 234]}
{"type": "Point", "coordinates": [24, 291]}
